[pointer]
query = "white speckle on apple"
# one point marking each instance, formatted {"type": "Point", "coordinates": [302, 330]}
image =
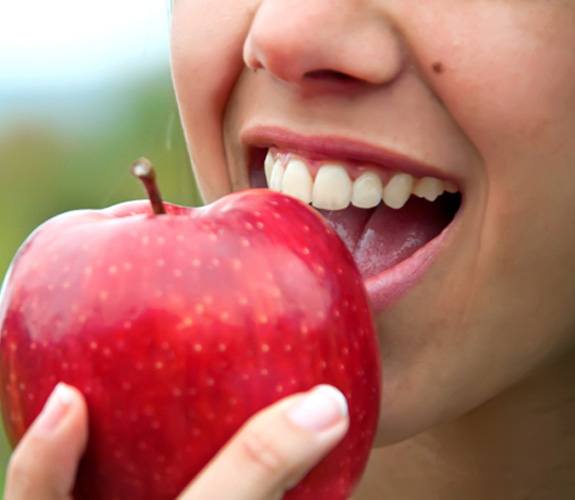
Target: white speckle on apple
{"type": "Point", "coordinates": [320, 270]}
{"type": "Point", "coordinates": [245, 376]}
{"type": "Point", "coordinates": [336, 313]}
{"type": "Point", "coordinates": [165, 346]}
{"type": "Point", "coordinates": [207, 300]}
{"type": "Point", "coordinates": [279, 388]}
{"type": "Point", "coordinates": [159, 365]}
{"type": "Point", "coordinates": [65, 366]}
{"type": "Point", "coordinates": [198, 347]}
{"type": "Point", "coordinates": [305, 251]}
{"type": "Point", "coordinates": [200, 308]}
{"type": "Point", "coordinates": [113, 269]}
{"type": "Point", "coordinates": [213, 237]}
{"type": "Point", "coordinates": [237, 264]}
{"type": "Point", "coordinates": [245, 242]}
{"type": "Point", "coordinates": [276, 292]}
{"type": "Point", "coordinates": [94, 346]}
{"type": "Point", "coordinates": [306, 229]}
{"type": "Point", "coordinates": [160, 262]}
{"type": "Point", "coordinates": [216, 262]}
{"type": "Point", "coordinates": [210, 382]}
{"type": "Point", "coordinates": [339, 271]}
{"type": "Point", "coordinates": [180, 238]}
{"type": "Point", "coordinates": [66, 285]}
{"type": "Point", "coordinates": [196, 262]}
{"type": "Point", "coordinates": [260, 224]}
{"type": "Point", "coordinates": [187, 322]}
{"type": "Point", "coordinates": [341, 367]}
{"type": "Point", "coordinates": [128, 266]}
{"type": "Point", "coordinates": [276, 215]}
{"type": "Point", "coordinates": [265, 348]}
{"type": "Point", "coordinates": [177, 392]}
{"type": "Point", "coordinates": [107, 352]}
{"type": "Point", "coordinates": [345, 351]}
{"type": "Point", "coordinates": [103, 295]}
{"type": "Point", "coordinates": [22, 386]}
{"type": "Point", "coordinates": [177, 273]}
{"type": "Point", "coordinates": [233, 401]}
{"type": "Point", "coordinates": [242, 300]}
{"type": "Point", "coordinates": [88, 271]}
{"type": "Point", "coordinates": [288, 348]}
{"type": "Point", "coordinates": [265, 372]}
{"type": "Point", "coordinates": [323, 365]}
{"type": "Point", "coordinates": [263, 319]}
{"type": "Point", "coordinates": [13, 346]}
{"type": "Point", "coordinates": [33, 346]}
{"type": "Point", "coordinates": [155, 425]}
{"type": "Point", "coordinates": [126, 385]}
{"type": "Point", "coordinates": [249, 226]}
{"type": "Point", "coordinates": [224, 316]}
{"type": "Point", "coordinates": [304, 330]}
{"type": "Point", "coordinates": [160, 240]}
{"type": "Point", "coordinates": [195, 432]}
{"type": "Point", "coordinates": [145, 241]}
{"type": "Point", "coordinates": [127, 325]}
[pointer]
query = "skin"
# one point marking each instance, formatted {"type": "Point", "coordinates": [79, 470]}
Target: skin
{"type": "Point", "coordinates": [479, 359]}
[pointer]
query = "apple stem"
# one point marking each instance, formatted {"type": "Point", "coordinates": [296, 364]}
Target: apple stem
{"type": "Point", "coordinates": [143, 169]}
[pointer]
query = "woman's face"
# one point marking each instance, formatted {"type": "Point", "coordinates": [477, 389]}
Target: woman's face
{"type": "Point", "coordinates": [477, 92]}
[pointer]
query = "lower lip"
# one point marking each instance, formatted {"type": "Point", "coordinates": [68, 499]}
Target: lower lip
{"type": "Point", "coordinates": [388, 286]}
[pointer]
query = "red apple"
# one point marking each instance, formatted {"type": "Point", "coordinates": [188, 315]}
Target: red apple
{"type": "Point", "coordinates": [178, 327]}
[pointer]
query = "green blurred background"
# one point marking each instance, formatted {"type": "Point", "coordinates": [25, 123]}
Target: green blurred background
{"type": "Point", "coordinates": [84, 90]}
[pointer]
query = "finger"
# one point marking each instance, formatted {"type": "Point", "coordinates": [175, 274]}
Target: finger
{"type": "Point", "coordinates": [43, 465]}
{"type": "Point", "coordinates": [275, 449]}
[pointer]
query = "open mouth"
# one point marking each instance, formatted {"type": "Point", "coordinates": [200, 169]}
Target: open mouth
{"type": "Point", "coordinates": [392, 221]}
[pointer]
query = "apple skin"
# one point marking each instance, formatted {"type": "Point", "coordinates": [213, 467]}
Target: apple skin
{"type": "Point", "coordinates": [178, 327]}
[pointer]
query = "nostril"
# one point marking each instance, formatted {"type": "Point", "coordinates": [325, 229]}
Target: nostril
{"type": "Point", "coordinates": [328, 74]}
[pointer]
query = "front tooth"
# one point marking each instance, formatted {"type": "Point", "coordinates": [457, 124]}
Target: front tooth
{"type": "Point", "coordinates": [398, 190]}
{"type": "Point", "coordinates": [277, 176]}
{"type": "Point", "coordinates": [332, 188]}
{"type": "Point", "coordinates": [268, 166]}
{"type": "Point", "coordinates": [367, 190]}
{"type": "Point", "coordinates": [429, 188]}
{"type": "Point", "coordinates": [297, 181]}
{"type": "Point", "coordinates": [450, 187]}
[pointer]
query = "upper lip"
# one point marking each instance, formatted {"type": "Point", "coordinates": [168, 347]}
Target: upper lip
{"type": "Point", "coordinates": [338, 147]}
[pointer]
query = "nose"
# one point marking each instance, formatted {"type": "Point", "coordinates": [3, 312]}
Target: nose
{"type": "Point", "coordinates": [303, 40]}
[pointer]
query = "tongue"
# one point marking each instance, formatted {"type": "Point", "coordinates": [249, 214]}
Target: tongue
{"type": "Point", "coordinates": [382, 237]}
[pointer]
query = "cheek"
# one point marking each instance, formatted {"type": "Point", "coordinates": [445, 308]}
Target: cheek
{"type": "Point", "coordinates": [207, 43]}
{"type": "Point", "coordinates": [509, 82]}
{"type": "Point", "coordinates": [508, 70]}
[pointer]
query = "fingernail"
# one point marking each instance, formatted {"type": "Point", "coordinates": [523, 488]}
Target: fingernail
{"type": "Point", "coordinates": [55, 408]}
{"type": "Point", "coordinates": [323, 407]}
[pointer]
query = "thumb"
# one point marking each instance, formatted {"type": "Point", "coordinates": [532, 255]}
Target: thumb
{"type": "Point", "coordinates": [275, 448]}
{"type": "Point", "coordinates": [43, 465]}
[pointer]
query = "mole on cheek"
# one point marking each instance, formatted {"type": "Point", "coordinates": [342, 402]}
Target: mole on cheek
{"type": "Point", "coordinates": [438, 67]}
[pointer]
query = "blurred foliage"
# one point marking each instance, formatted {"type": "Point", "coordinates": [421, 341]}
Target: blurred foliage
{"type": "Point", "coordinates": [46, 170]}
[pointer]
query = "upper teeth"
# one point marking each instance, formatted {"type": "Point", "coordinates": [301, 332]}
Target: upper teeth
{"type": "Point", "coordinates": [333, 189]}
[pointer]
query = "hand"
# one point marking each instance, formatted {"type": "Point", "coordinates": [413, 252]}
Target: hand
{"type": "Point", "coordinates": [270, 454]}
